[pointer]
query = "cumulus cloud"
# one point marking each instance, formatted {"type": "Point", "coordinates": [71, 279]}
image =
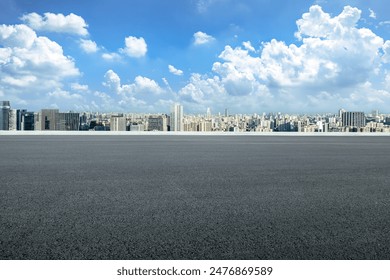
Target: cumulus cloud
{"type": "Point", "coordinates": [31, 66]}
{"type": "Point", "coordinates": [111, 56]}
{"type": "Point", "coordinates": [141, 85]}
{"type": "Point", "coordinates": [201, 38]}
{"type": "Point", "coordinates": [71, 24]}
{"type": "Point", "coordinates": [248, 45]}
{"type": "Point", "coordinates": [27, 59]}
{"type": "Point", "coordinates": [88, 46]}
{"type": "Point", "coordinates": [63, 94]}
{"type": "Point", "coordinates": [112, 81]}
{"type": "Point", "coordinates": [203, 90]}
{"type": "Point", "coordinates": [135, 47]}
{"type": "Point", "coordinates": [334, 61]}
{"type": "Point", "coordinates": [134, 95]}
{"type": "Point", "coordinates": [372, 14]}
{"type": "Point", "coordinates": [78, 87]}
{"type": "Point", "coordinates": [175, 71]}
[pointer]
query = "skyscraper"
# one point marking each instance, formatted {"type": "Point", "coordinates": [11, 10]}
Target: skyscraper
{"type": "Point", "coordinates": [177, 118]}
{"type": "Point", "coordinates": [27, 121]}
{"type": "Point", "coordinates": [208, 113]}
{"type": "Point", "coordinates": [46, 119]}
{"type": "Point", "coordinates": [353, 119]}
{"type": "Point", "coordinates": [19, 118]}
{"type": "Point", "coordinates": [12, 120]}
{"type": "Point", "coordinates": [4, 115]}
{"type": "Point", "coordinates": [118, 123]}
{"type": "Point", "coordinates": [67, 121]}
{"type": "Point", "coordinates": [157, 123]}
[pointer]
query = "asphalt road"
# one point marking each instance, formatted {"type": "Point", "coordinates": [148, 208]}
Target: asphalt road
{"type": "Point", "coordinates": [194, 197]}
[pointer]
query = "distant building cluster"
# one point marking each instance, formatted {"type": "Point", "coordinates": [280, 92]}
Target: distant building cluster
{"type": "Point", "coordinates": [52, 119]}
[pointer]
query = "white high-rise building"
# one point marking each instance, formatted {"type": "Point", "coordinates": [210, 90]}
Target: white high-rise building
{"type": "Point", "coordinates": [208, 114]}
{"type": "Point", "coordinates": [12, 119]}
{"type": "Point", "coordinates": [118, 123]}
{"type": "Point", "coordinates": [177, 118]}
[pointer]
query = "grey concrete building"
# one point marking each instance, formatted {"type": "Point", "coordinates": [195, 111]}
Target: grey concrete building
{"type": "Point", "coordinates": [157, 123]}
{"type": "Point", "coordinates": [353, 119]}
{"type": "Point", "coordinates": [4, 115]}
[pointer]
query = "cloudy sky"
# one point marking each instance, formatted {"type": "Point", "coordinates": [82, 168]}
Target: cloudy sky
{"type": "Point", "coordinates": [250, 56]}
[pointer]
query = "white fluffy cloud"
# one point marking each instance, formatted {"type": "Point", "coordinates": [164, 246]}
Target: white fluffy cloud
{"type": "Point", "coordinates": [248, 45]}
{"type": "Point", "coordinates": [203, 90]}
{"type": "Point", "coordinates": [141, 85]}
{"type": "Point", "coordinates": [79, 88]}
{"type": "Point", "coordinates": [201, 38]}
{"type": "Point", "coordinates": [63, 94]}
{"type": "Point", "coordinates": [372, 14]}
{"type": "Point", "coordinates": [133, 95]}
{"type": "Point", "coordinates": [31, 65]}
{"type": "Point", "coordinates": [72, 24]}
{"type": "Point", "coordinates": [111, 56]}
{"type": "Point", "coordinates": [88, 46]}
{"type": "Point", "coordinates": [135, 47]}
{"type": "Point", "coordinates": [28, 58]}
{"type": "Point", "coordinates": [172, 69]}
{"type": "Point", "coordinates": [333, 65]}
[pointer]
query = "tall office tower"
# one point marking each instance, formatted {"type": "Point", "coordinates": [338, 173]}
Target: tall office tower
{"type": "Point", "coordinates": [118, 123]}
{"type": "Point", "coordinates": [46, 119]}
{"type": "Point", "coordinates": [341, 111]}
{"type": "Point", "coordinates": [226, 113]}
{"type": "Point", "coordinates": [353, 119]}
{"type": "Point", "coordinates": [157, 123]}
{"type": "Point", "coordinates": [27, 122]}
{"type": "Point", "coordinates": [12, 119]}
{"type": "Point", "coordinates": [67, 121]}
{"type": "Point", "coordinates": [208, 113]}
{"type": "Point", "coordinates": [177, 118]}
{"type": "Point", "coordinates": [4, 115]}
{"type": "Point", "coordinates": [19, 118]}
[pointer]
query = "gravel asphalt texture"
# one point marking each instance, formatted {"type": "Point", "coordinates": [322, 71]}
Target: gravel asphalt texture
{"type": "Point", "coordinates": [194, 197]}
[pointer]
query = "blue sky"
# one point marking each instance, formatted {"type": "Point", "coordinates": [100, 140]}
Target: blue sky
{"type": "Point", "coordinates": [249, 56]}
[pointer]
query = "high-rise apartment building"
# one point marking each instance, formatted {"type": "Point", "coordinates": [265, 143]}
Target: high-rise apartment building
{"type": "Point", "coordinates": [177, 118]}
{"type": "Point", "coordinates": [353, 119]}
{"type": "Point", "coordinates": [157, 123]}
{"type": "Point", "coordinates": [118, 123]}
{"type": "Point", "coordinates": [46, 119]}
{"type": "Point", "coordinates": [27, 122]}
{"type": "Point", "coordinates": [52, 119]}
{"type": "Point", "coordinates": [4, 115]}
{"type": "Point", "coordinates": [12, 120]}
{"type": "Point", "coordinates": [67, 121]}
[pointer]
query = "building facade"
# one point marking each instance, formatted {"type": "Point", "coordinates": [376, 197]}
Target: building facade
{"type": "Point", "coordinates": [353, 119]}
{"type": "Point", "coordinates": [67, 121]}
{"type": "Point", "coordinates": [27, 122]}
{"type": "Point", "coordinates": [12, 119]}
{"type": "Point", "coordinates": [46, 119]}
{"type": "Point", "coordinates": [157, 123]}
{"type": "Point", "coordinates": [4, 115]}
{"type": "Point", "coordinates": [118, 123]}
{"type": "Point", "coordinates": [176, 118]}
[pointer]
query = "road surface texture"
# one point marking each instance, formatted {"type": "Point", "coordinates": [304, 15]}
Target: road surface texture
{"type": "Point", "coordinates": [194, 197]}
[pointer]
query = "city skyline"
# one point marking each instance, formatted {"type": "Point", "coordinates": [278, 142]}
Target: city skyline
{"type": "Point", "coordinates": [54, 120]}
{"type": "Point", "coordinates": [145, 56]}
